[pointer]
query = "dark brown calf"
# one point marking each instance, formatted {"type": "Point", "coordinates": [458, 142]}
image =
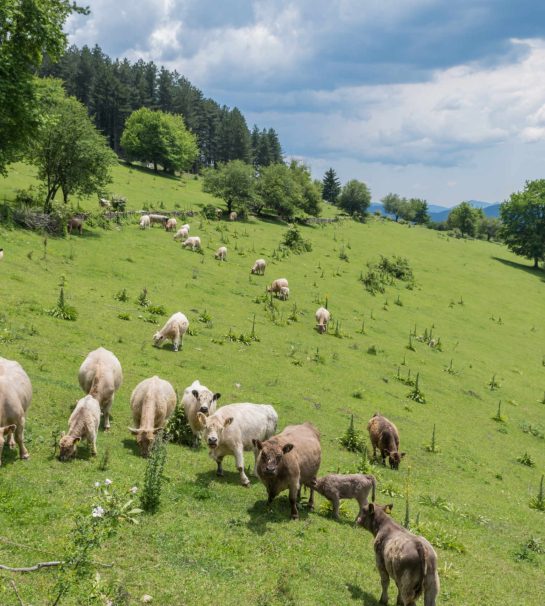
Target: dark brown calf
{"type": "Point", "coordinates": [75, 223]}
{"type": "Point", "coordinates": [407, 558]}
{"type": "Point", "coordinates": [385, 437]}
{"type": "Point", "coordinates": [289, 460]}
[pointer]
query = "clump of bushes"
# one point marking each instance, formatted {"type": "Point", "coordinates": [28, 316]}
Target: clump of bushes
{"type": "Point", "coordinates": [353, 440]}
{"type": "Point", "coordinates": [177, 428]}
{"type": "Point", "coordinates": [295, 242]}
{"type": "Point", "coordinates": [385, 272]}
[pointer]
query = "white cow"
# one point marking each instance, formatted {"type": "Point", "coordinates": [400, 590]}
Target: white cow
{"type": "Point", "coordinates": [231, 429]}
{"type": "Point", "coordinates": [15, 397]}
{"type": "Point", "coordinates": [198, 398]}
{"type": "Point", "coordinates": [221, 253]}
{"type": "Point", "coordinates": [259, 267]}
{"type": "Point", "coordinates": [181, 234]}
{"type": "Point", "coordinates": [277, 285]}
{"type": "Point", "coordinates": [145, 222]}
{"type": "Point", "coordinates": [174, 329]}
{"type": "Point", "coordinates": [322, 319]}
{"type": "Point", "coordinates": [193, 241]}
{"type": "Point", "coordinates": [82, 425]}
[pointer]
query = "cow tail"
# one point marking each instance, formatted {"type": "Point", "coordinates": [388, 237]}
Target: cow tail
{"type": "Point", "coordinates": [93, 391]}
{"type": "Point", "coordinates": [423, 569]}
{"type": "Point", "coordinates": [374, 488]}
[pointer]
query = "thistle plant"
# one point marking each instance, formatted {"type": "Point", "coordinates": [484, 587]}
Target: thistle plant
{"type": "Point", "coordinates": [353, 440]}
{"type": "Point", "coordinates": [416, 394]}
{"type": "Point", "coordinates": [538, 502]}
{"type": "Point", "coordinates": [62, 311]}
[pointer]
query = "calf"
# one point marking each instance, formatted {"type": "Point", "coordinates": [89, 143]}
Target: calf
{"type": "Point", "coordinates": [259, 267]}
{"type": "Point", "coordinates": [181, 234]}
{"type": "Point", "coordinates": [198, 398]}
{"type": "Point", "coordinates": [234, 428]}
{"type": "Point", "coordinates": [277, 285]}
{"type": "Point", "coordinates": [174, 329]}
{"type": "Point", "coordinates": [407, 558]}
{"type": "Point", "coordinates": [289, 460]}
{"type": "Point", "coordinates": [193, 241]}
{"type": "Point", "coordinates": [75, 223]}
{"type": "Point", "coordinates": [322, 319]}
{"type": "Point", "coordinates": [336, 486]}
{"type": "Point", "coordinates": [221, 254]}
{"type": "Point", "coordinates": [152, 402]}
{"type": "Point", "coordinates": [15, 397]}
{"type": "Point", "coordinates": [145, 222]}
{"type": "Point", "coordinates": [233, 216]}
{"type": "Point", "coordinates": [385, 437]}
{"type": "Point", "coordinates": [170, 225]}
{"type": "Point", "coordinates": [284, 293]}
{"type": "Point", "coordinates": [82, 425]}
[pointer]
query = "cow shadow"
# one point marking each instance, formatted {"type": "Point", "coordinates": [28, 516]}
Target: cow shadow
{"type": "Point", "coordinates": [9, 455]}
{"type": "Point", "coordinates": [358, 594]}
{"type": "Point", "coordinates": [279, 511]}
{"type": "Point", "coordinates": [205, 478]}
{"type": "Point", "coordinates": [130, 444]}
{"type": "Point", "coordinates": [522, 267]}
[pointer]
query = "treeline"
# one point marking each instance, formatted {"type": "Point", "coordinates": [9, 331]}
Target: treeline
{"type": "Point", "coordinates": [112, 89]}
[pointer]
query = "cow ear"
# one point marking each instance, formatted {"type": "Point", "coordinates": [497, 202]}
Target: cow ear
{"type": "Point", "coordinates": [287, 448]}
{"type": "Point", "coordinates": [133, 431]}
{"type": "Point", "coordinates": [258, 444]}
{"type": "Point", "coordinates": [388, 508]}
{"type": "Point", "coordinates": [195, 394]}
{"type": "Point", "coordinates": [228, 421]}
{"type": "Point", "coordinates": [217, 396]}
{"type": "Point", "coordinates": [402, 454]}
{"type": "Point", "coordinates": [76, 440]}
{"type": "Point", "coordinates": [201, 419]}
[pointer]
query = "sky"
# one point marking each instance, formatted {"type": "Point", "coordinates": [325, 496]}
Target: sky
{"type": "Point", "coordinates": [432, 99]}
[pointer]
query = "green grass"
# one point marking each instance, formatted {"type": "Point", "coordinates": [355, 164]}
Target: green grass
{"type": "Point", "coordinates": [213, 540]}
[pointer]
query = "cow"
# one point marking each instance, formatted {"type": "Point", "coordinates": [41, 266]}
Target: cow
{"type": "Point", "coordinates": [336, 486]}
{"type": "Point", "coordinates": [174, 329]}
{"type": "Point", "coordinates": [75, 223]}
{"type": "Point", "coordinates": [234, 428]}
{"type": "Point", "coordinates": [322, 319]}
{"type": "Point", "coordinates": [289, 460]}
{"type": "Point", "coordinates": [259, 267]}
{"type": "Point", "coordinates": [385, 437]}
{"type": "Point", "coordinates": [82, 425]}
{"type": "Point", "coordinates": [399, 554]}
{"type": "Point", "coordinates": [277, 285]}
{"type": "Point", "coordinates": [198, 398]}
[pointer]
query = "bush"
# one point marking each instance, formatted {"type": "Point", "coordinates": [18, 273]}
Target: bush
{"type": "Point", "coordinates": [209, 211]}
{"type": "Point", "coordinates": [119, 203]}
{"type": "Point", "coordinates": [153, 477]}
{"type": "Point", "coordinates": [63, 311]}
{"type": "Point", "coordinates": [353, 440]}
{"type": "Point", "coordinates": [177, 428]}
{"type": "Point", "coordinates": [295, 242]}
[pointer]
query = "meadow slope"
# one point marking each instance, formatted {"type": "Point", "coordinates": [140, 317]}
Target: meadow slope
{"type": "Point", "coordinates": [212, 540]}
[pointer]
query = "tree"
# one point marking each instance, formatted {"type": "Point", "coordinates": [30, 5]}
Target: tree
{"type": "Point", "coordinates": [523, 218]}
{"type": "Point", "coordinates": [278, 190]}
{"type": "Point", "coordinates": [489, 228]}
{"type": "Point", "coordinates": [69, 152]}
{"type": "Point", "coordinates": [331, 186]}
{"type": "Point", "coordinates": [355, 197]}
{"type": "Point", "coordinates": [309, 198]}
{"type": "Point", "coordinates": [465, 218]}
{"type": "Point", "coordinates": [233, 182]}
{"type": "Point", "coordinates": [393, 205]}
{"type": "Point", "coordinates": [28, 29]}
{"type": "Point", "coordinates": [418, 211]}
{"type": "Point", "coordinates": [159, 138]}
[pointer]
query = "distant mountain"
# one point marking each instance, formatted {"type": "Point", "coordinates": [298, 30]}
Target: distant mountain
{"type": "Point", "coordinates": [440, 213]}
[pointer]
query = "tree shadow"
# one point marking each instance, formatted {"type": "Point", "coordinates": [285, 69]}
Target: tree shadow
{"type": "Point", "coordinates": [262, 514]}
{"type": "Point", "coordinates": [521, 266]}
{"type": "Point", "coordinates": [357, 593]}
{"type": "Point", "coordinates": [150, 171]}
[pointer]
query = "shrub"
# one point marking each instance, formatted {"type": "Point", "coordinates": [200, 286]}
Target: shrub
{"type": "Point", "coordinates": [150, 497]}
{"type": "Point", "coordinates": [143, 300]}
{"type": "Point", "coordinates": [538, 502]}
{"type": "Point", "coordinates": [119, 203]}
{"type": "Point", "coordinates": [157, 310]}
{"type": "Point", "coordinates": [122, 296]}
{"type": "Point", "coordinates": [63, 311]}
{"type": "Point", "coordinates": [295, 242]}
{"type": "Point", "coordinates": [209, 212]}
{"type": "Point", "coordinates": [353, 440]}
{"type": "Point", "coordinates": [177, 428]}
{"type": "Point", "coordinates": [526, 459]}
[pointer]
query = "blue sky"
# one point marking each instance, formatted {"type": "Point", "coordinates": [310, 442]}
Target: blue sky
{"type": "Point", "coordinates": [435, 99]}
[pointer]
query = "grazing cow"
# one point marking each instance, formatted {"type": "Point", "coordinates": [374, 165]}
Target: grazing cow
{"type": "Point", "coordinates": [277, 285]}
{"type": "Point", "coordinates": [1, 253]}
{"type": "Point", "coordinates": [407, 558]}
{"type": "Point", "coordinates": [101, 372]}
{"type": "Point", "coordinates": [284, 293]}
{"type": "Point", "coordinates": [82, 425]}
{"type": "Point", "coordinates": [170, 225]}
{"type": "Point", "coordinates": [145, 222]}
{"type": "Point", "coordinates": [234, 428]}
{"type": "Point", "coordinates": [322, 319]}
{"type": "Point", "coordinates": [75, 223]}
{"type": "Point", "coordinates": [385, 437]}
{"type": "Point", "coordinates": [221, 253]}
{"type": "Point", "coordinates": [103, 203]}
{"type": "Point", "coordinates": [219, 212]}
{"type": "Point", "coordinates": [259, 267]}
{"type": "Point", "coordinates": [185, 226]}
{"type": "Point", "coordinates": [193, 241]}
{"type": "Point", "coordinates": [181, 234]}
{"type": "Point", "coordinates": [174, 329]}
{"type": "Point", "coordinates": [233, 216]}
{"type": "Point", "coordinates": [198, 398]}
{"type": "Point", "coordinates": [15, 397]}
{"type": "Point", "coordinates": [159, 219]}
{"type": "Point", "coordinates": [337, 486]}
{"type": "Point", "coordinates": [289, 460]}
{"type": "Point", "coordinates": [152, 402]}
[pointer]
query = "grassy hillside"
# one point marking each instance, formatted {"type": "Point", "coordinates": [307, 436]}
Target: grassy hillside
{"type": "Point", "coordinates": [214, 541]}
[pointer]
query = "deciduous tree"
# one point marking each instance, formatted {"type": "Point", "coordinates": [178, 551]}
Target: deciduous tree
{"type": "Point", "coordinates": [355, 197]}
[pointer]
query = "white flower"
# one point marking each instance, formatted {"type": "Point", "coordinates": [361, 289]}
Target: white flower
{"type": "Point", "coordinates": [97, 484]}
{"type": "Point", "coordinates": [134, 490]}
{"type": "Point", "coordinates": [107, 482]}
{"type": "Point", "coordinates": [98, 512]}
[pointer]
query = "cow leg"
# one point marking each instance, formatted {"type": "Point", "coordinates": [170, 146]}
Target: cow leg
{"type": "Point", "coordinates": [431, 587]}
{"type": "Point", "coordinates": [176, 341]}
{"type": "Point", "coordinates": [19, 438]}
{"type": "Point", "coordinates": [384, 580]}
{"type": "Point", "coordinates": [311, 500]}
{"type": "Point", "coordinates": [336, 503]}
{"type": "Point", "coordinates": [256, 455]}
{"type": "Point", "coordinates": [93, 444]}
{"type": "Point", "coordinates": [271, 493]}
{"type": "Point", "coordinates": [375, 453]}
{"type": "Point", "coordinates": [295, 489]}
{"type": "Point", "coordinates": [106, 411]}
{"type": "Point", "coordinates": [219, 470]}
{"type": "Point", "coordinates": [12, 443]}
{"type": "Point", "coordinates": [239, 460]}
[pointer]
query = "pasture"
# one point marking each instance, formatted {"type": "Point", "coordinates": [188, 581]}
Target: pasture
{"type": "Point", "coordinates": [213, 541]}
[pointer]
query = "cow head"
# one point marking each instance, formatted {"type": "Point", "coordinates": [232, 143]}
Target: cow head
{"type": "Point", "coordinates": [5, 434]}
{"type": "Point", "coordinates": [144, 439]}
{"type": "Point", "coordinates": [205, 399]}
{"type": "Point", "coordinates": [68, 446]}
{"type": "Point", "coordinates": [394, 458]}
{"type": "Point", "coordinates": [158, 338]}
{"type": "Point", "coordinates": [370, 515]}
{"type": "Point", "coordinates": [321, 328]}
{"type": "Point", "coordinates": [270, 458]}
{"type": "Point", "coordinates": [213, 428]}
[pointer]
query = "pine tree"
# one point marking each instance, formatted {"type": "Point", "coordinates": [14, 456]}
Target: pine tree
{"type": "Point", "coordinates": [331, 187]}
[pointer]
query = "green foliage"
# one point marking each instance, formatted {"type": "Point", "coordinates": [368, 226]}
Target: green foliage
{"type": "Point", "coordinates": [528, 551]}
{"type": "Point", "coordinates": [465, 218]}
{"type": "Point", "coordinates": [416, 393]}
{"type": "Point", "coordinates": [233, 182]}
{"type": "Point", "coordinates": [523, 219]}
{"type": "Point", "coordinates": [355, 198]}
{"type": "Point", "coordinates": [150, 496]}
{"type": "Point", "coordinates": [177, 429]}
{"type": "Point", "coordinates": [432, 446]}
{"type": "Point", "coordinates": [143, 299]}
{"type": "Point", "coordinates": [538, 502]}
{"type": "Point", "coordinates": [159, 138]}
{"type": "Point", "coordinates": [62, 311]}
{"type": "Point", "coordinates": [331, 186]}
{"type": "Point", "coordinates": [498, 416]}
{"type": "Point", "coordinates": [124, 316]}
{"type": "Point", "coordinates": [121, 295]}
{"type": "Point", "coordinates": [156, 310]}
{"type": "Point", "coordinates": [526, 459]}
{"type": "Point", "coordinates": [353, 439]}
{"type": "Point", "coordinates": [294, 240]}
{"type": "Point", "coordinates": [385, 272]}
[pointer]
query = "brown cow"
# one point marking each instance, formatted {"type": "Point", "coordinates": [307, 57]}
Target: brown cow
{"type": "Point", "coordinates": [409, 559]}
{"type": "Point", "coordinates": [385, 437]}
{"type": "Point", "coordinates": [289, 460]}
{"type": "Point", "coordinates": [75, 223]}
{"type": "Point", "coordinates": [336, 486]}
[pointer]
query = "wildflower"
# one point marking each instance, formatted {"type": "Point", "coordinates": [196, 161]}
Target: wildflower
{"type": "Point", "coordinates": [134, 490]}
{"type": "Point", "coordinates": [97, 484]}
{"type": "Point", "coordinates": [107, 482]}
{"type": "Point", "coordinates": [98, 512]}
